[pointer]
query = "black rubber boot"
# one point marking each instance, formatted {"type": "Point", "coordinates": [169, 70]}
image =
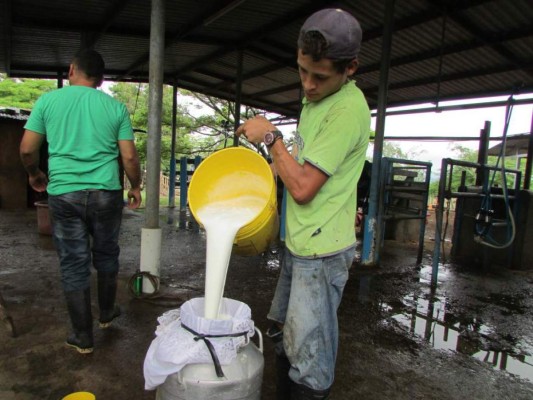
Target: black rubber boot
{"type": "Point", "coordinates": [107, 292]}
{"type": "Point", "coordinates": [302, 392]}
{"type": "Point", "coordinates": [79, 310]}
{"type": "Point", "coordinates": [283, 382]}
{"type": "Point", "coordinates": [283, 365]}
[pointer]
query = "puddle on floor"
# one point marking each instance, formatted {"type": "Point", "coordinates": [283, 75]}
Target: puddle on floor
{"type": "Point", "coordinates": [430, 320]}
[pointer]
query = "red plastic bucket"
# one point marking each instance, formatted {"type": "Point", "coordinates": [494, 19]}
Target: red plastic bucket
{"type": "Point", "coordinates": [43, 218]}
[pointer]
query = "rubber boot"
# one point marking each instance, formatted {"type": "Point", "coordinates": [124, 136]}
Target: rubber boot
{"type": "Point", "coordinates": [107, 292]}
{"type": "Point", "coordinates": [283, 365]}
{"type": "Point", "coordinates": [79, 309]}
{"type": "Point", "coordinates": [302, 392]}
{"type": "Point", "coordinates": [283, 382]}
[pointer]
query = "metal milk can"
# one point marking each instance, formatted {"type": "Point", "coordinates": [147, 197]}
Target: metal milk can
{"type": "Point", "coordinates": [241, 381]}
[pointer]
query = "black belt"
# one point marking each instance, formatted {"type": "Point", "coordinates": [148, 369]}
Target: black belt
{"type": "Point", "coordinates": [205, 338]}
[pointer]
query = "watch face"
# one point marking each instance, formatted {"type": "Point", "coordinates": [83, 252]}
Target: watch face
{"type": "Point", "coordinates": [269, 138]}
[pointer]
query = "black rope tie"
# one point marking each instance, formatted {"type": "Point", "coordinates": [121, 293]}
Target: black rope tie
{"type": "Point", "coordinates": [205, 338]}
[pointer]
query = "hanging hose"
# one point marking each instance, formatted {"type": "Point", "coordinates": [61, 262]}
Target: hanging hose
{"type": "Point", "coordinates": [135, 289]}
{"type": "Point", "coordinates": [484, 217]}
{"type": "Point", "coordinates": [447, 210]}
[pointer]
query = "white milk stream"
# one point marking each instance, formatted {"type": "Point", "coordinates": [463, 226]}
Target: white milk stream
{"type": "Point", "coordinates": [222, 220]}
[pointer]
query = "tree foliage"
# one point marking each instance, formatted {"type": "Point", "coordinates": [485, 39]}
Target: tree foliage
{"type": "Point", "coordinates": [23, 93]}
{"type": "Point", "coordinates": [203, 124]}
{"type": "Point", "coordinates": [495, 178]}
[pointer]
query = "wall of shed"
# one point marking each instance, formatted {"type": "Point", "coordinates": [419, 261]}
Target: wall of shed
{"type": "Point", "coordinates": [15, 193]}
{"type": "Point", "coordinates": [13, 178]}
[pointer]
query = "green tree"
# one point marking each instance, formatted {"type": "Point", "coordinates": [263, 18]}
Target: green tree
{"type": "Point", "coordinates": [219, 125]}
{"type": "Point", "coordinates": [23, 93]}
{"type": "Point", "coordinates": [135, 97]}
{"type": "Point", "coordinates": [197, 133]}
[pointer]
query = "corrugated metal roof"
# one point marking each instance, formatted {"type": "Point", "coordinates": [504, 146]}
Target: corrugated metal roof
{"type": "Point", "coordinates": [441, 49]}
{"type": "Point", "coordinates": [14, 113]}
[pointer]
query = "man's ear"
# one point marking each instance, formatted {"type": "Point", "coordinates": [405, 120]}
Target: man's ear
{"type": "Point", "coordinates": [71, 70]}
{"type": "Point", "coordinates": [352, 67]}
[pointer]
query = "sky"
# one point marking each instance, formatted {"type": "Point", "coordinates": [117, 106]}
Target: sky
{"type": "Point", "coordinates": [447, 123]}
{"type": "Point", "coordinates": [464, 123]}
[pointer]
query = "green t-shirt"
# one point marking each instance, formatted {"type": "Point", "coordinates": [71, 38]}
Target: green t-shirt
{"type": "Point", "coordinates": [333, 136]}
{"type": "Point", "coordinates": [82, 126]}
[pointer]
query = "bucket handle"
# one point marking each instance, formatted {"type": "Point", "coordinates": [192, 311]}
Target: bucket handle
{"type": "Point", "coordinates": [260, 338]}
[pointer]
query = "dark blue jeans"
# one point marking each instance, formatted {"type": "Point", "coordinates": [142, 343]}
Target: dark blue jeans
{"type": "Point", "coordinates": [78, 216]}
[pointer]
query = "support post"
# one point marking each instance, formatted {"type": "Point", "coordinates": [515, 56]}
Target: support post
{"type": "Point", "coordinates": [483, 153]}
{"type": "Point", "coordinates": [438, 223]}
{"type": "Point", "coordinates": [172, 183]}
{"type": "Point", "coordinates": [183, 183]}
{"type": "Point", "coordinates": [151, 233]}
{"type": "Point", "coordinates": [372, 230]}
{"type": "Point", "coordinates": [238, 95]}
{"type": "Point", "coordinates": [529, 160]}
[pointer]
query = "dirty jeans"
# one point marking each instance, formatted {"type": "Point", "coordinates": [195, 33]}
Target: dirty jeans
{"type": "Point", "coordinates": [77, 216]}
{"type": "Point", "coordinates": [306, 300]}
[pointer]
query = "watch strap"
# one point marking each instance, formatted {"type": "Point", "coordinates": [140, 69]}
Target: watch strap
{"type": "Point", "coordinates": [277, 136]}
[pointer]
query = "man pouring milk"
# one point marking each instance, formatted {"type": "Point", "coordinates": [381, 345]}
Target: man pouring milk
{"type": "Point", "coordinates": [321, 178]}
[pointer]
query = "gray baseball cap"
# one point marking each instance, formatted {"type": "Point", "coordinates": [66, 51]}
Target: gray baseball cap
{"type": "Point", "coordinates": [340, 29]}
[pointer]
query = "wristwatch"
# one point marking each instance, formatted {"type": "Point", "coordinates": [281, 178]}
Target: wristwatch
{"type": "Point", "coordinates": [271, 137]}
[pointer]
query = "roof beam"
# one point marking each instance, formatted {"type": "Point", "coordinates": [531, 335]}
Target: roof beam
{"type": "Point", "coordinates": [417, 82]}
{"type": "Point", "coordinates": [110, 15]}
{"type": "Point", "coordinates": [279, 89]}
{"type": "Point", "coordinates": [256, 35]}
{"type": "Point", "coordinates": [459, 96]}
{"type": "Point", "coordinates": [204, 19]}
{"type": "Point", "coordinates": [421, 17]}
{"type": "Point", "coordinates": [450, 49]}
{"type": "Point", "coordinates": [496, 45]}
{"type": "Point", "coordinates": [408, 22]}
{"type": "Point", "coordinates": [199, 86]}
{"type": "Point", "coordinates": [249, 75]}
{"type": "Point", "coordinates": [279, 63]}
{"type": "Point", "coordinates": [453, 77]}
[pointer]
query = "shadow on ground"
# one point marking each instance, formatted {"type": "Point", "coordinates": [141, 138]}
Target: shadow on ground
{"type": "Point", "coordinates": [470, 338]}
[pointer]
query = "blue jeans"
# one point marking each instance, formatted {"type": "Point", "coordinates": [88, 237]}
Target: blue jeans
{"type": "Point", "coordinates": [307, 297]}
{"type": "Point", "coordinates": [78, 216]}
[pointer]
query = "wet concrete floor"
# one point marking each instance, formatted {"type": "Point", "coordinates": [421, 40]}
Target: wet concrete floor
{"type": "Point", "coordinates": [470, 338]}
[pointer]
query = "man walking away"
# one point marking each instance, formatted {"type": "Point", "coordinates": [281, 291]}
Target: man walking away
{"type": "Point", "coordinates": [87, 133]}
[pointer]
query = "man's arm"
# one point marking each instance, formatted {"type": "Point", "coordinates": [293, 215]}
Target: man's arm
{"type": "Point", "coordinates": [130, 161]}
{"type": "Point", "coordinates": [302, 181]}
{"type": "Point", "coordinates": [29, 155]}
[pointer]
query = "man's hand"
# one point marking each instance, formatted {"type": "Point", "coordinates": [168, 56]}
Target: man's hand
{"type": "Point", "coordinates": [134, 198]}
{"type": "Point", "coordinates": [255, 128]}
{"type": "Point", "coordinates": [38, 181]}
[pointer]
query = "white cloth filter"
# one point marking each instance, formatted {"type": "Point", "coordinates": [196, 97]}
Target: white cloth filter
{"type": "Point", "coordinates": [174, 347]}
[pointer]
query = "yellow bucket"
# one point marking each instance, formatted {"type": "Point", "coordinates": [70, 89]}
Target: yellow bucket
{"type": "Point", "coordinates": [80, 396]}
{"type": "Point", "coordinates": [231, 173]}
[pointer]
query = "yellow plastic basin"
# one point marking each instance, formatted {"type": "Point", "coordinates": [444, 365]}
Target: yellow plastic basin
{"type": "Point", "coordinates": [80, 396]}
{"type": "Point", "coordinates": [228, 174]}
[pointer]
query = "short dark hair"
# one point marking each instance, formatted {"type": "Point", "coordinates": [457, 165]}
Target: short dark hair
{"type": "Point", "coordinates": [314, 44]}
{"type": "Point", "coordinates": [91, 63]}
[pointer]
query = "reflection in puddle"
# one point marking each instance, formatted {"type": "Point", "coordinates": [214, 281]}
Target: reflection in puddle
{"type": "Point", "coordinates": [430, 321]}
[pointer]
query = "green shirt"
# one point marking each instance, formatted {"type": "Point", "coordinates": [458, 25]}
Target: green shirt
{"type": "Point", "coordinates": [333, 136]}
{"type": "Point", "coordinates": [82, 126]}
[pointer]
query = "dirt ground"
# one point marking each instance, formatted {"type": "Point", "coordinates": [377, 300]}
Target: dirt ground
{"type": "Point", "coordinates": [471, 338]}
